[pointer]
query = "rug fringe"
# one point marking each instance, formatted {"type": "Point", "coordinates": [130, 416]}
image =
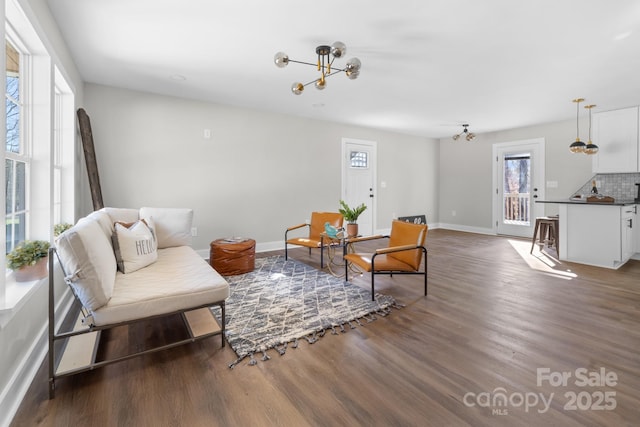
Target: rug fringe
{"type": "Point", "coordinates": [282, 350]}
{"type": "Point", "coordinates": [313, 337]}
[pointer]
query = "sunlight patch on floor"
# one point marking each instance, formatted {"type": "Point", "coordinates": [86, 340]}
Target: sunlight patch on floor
{"type": "Point", "coordinates": [541, 261]}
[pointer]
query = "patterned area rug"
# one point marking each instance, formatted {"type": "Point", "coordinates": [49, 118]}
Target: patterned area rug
{"type": "Point", "coordinates": [281, 302]}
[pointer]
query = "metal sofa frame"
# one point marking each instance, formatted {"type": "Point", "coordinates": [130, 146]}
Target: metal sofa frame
{"type": "Point", "coordinates": [54, 337]}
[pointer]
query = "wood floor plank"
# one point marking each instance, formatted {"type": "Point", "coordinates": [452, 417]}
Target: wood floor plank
{"type": "Point", "coordinates": [494, 315]}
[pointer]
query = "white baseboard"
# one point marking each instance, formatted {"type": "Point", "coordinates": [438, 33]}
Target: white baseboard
{"type": "Point", "coordinates": [458, 227]}
{"type": "Point", "coordinates": [21, 380]}
{"type": "Point", "coordinates": [260, 247]}
{"type": "Point", "coordinates": [279, 245]}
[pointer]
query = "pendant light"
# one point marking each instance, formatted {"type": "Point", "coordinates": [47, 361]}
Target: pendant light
{"type": "Point", "coordinates": [590, 148]}
{"type": "Point", "coordinates": [578, 146]}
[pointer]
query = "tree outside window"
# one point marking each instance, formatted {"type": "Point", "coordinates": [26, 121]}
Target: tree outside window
{"type": "Point", "coordinates": [16, 160]}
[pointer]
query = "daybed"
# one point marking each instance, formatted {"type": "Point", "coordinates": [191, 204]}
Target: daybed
{"type": "Point", "coordinates": [127, 265]}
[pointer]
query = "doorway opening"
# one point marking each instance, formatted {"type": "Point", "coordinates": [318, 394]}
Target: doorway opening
{"type": "Point", "coordinates": [518, 181]}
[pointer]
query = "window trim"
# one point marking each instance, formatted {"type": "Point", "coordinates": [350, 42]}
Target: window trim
{"type": "Point", "coordinates": [40, 76]}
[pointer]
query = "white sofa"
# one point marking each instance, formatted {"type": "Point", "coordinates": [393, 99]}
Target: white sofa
{"type": "Point", "coordinates": [131, 271]}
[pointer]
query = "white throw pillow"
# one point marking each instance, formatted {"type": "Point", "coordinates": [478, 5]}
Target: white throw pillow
{"type": "Point", "coordinates": [88, 261]}
{"type": "Point", "coordinates": [172, 225]}
{"type": "Point", "coordinates": [121, 215]}
{"type": "Point", "coordinates": [135, 246]}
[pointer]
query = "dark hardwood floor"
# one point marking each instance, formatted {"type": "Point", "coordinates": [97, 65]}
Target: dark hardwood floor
{"type": "Point", "coordinates": [495, 315]}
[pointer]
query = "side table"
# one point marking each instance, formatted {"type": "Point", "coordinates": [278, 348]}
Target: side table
{"type": "Point", "coordinates": [232, 256]}
{"type": "Point", "coordinates": [333, 243]}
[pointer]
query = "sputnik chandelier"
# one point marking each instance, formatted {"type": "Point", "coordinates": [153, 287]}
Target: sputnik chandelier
{"type": "Point", "coordinates": [468, 135]}
{"type": "Point", "coordinates": [578, 146]}
{"type": "Point", "coordinates": [326, 56]}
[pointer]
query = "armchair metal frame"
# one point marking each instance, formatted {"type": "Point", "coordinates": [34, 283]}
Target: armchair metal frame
{"type": "Point", "coordinates": [334, 218]}
{"type": "Point", "coordinates": [361, 260]}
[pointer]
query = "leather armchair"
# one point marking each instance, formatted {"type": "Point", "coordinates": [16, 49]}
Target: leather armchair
{"type": "Point", "coordinates": [403, 255]}
{"type": "Point", "coordinates": [316, 228]}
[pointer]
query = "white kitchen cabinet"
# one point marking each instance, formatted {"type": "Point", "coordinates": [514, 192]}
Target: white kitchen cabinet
{"type": "Point", "coordinates": [627, 231]}
{"type": "Point", "coordinates": [636, 233]}
{"type": "Point", "coordinates": [597, 234]}
{"type": "Point", "coordinates": [616, 134]}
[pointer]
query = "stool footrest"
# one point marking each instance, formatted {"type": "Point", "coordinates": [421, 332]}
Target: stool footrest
{"type": "Point", "coordinates": [546, 230]}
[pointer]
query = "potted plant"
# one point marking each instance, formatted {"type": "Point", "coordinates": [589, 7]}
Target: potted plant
{"type": "Point", "coordinates": [28, 260]}
{"type": "Point", "coordinates": [351, 216]}
{"type": "Point", "coordinates": [60, 228]}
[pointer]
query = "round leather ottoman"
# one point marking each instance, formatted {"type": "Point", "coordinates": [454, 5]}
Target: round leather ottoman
{"type": "Point", "coordinates": [230, 257]}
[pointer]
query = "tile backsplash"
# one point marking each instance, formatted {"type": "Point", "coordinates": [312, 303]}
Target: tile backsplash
{"type": "Point", "coordinates": [620, 186]}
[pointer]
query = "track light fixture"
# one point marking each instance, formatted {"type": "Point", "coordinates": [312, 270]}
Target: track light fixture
{"type": "Point", "coordinates": [326, 56]}
{"type": "Point", "coordinates": [468, 135]}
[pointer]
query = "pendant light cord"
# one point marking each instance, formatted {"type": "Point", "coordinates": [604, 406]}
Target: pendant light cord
{"type": "Point", "coordinates": [577, 117]}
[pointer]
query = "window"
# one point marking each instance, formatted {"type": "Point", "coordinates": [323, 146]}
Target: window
{"type": "Point", "coordinates": [16, 156]}
{"type": "Point", "coordinates": [57, 157]}
{"type": "Point", "coordinates": [359, 159]}
{"type": "Point", "coordinates": [39, 147]}
{"type": "Point", "coordinates": [517, 202]}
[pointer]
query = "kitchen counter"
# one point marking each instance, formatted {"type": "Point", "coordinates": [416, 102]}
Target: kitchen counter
{"type": "Point", "coordinates": [621, 202]}
{"type": "Point", "coordinates": [599, 234]}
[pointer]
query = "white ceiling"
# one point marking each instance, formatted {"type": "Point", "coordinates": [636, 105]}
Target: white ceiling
{"type": "Point", "coordinates": [427, 65]}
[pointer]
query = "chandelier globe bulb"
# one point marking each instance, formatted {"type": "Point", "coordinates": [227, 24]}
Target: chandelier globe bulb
{"type": "Point", "coordinates": [281, 59]}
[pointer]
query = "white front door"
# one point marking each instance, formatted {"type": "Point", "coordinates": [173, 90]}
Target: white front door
{"type": "Point", "coordinates": [358, 180]}
{"type": "Point", "coordinates": [518, 181]}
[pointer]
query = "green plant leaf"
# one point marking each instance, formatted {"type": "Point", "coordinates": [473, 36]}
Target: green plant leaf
{"type": "Point", "coordinates": [351, 214]}
{"type": "Point", "coordinates": [27, 252]}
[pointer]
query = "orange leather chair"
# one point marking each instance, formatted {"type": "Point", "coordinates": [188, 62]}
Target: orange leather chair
{"type": "Point", "coordinates": [316, 228]}
{"type": "Point", "coordinates": [403, 255]}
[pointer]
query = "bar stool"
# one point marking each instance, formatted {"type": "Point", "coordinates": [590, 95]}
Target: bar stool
{"type": "Point", "coordinates": [547, 227]}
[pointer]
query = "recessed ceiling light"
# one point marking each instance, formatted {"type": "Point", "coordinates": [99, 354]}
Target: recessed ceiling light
{"type": "Point", "coordinates": [178, 77]}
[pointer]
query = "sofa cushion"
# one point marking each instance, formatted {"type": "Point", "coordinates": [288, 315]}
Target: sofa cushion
{"type": "Point", "coordinates": [104, 220]}
{"type": "Point", "coordinates": [121, 215]}
{"type": "Point", "coordinates": [179, 279]}
{"type": "Point", "coordinates": [172, 225]}
{"type": "Point", "coordinates": [89, 262]}
{"type": "Point", "coordinates": [135, 246]}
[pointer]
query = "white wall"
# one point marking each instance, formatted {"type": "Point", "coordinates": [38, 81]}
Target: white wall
{"type": "Point", "coordinates": [466, 172]}
{"type": "Point", "coordinates": [258, 174]}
